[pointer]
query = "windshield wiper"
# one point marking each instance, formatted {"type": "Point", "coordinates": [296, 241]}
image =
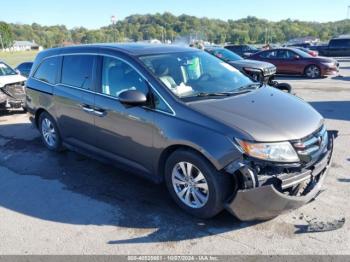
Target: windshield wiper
{"type": "Point", "coordinates": [252, 86]}
{"type": "Point", "coordinates": [204, 94]}
{"type": "Point", "coordinates": [238, 91]}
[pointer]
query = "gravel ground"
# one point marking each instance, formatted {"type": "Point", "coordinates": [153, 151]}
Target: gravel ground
{"type": "Point", "coordinates": [68, 204]}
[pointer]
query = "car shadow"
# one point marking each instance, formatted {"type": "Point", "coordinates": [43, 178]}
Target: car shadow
{"type": "Point", "coordinates": [73, 189]}
{"type": "Point", "coordinates": [292, 77]}
{"type": "Point", "coordinates": [344, 180]}
{"type": "Point", "coordinates": [342, 78]}
{"type": "Point", "coordinates": [337, 110]}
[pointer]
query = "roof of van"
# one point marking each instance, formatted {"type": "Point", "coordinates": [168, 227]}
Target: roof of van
{"type": "Point", "coordinates": [135, 49]}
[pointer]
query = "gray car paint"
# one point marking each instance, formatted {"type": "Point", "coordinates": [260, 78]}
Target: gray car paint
{"type": "Point", "coordinates": [145, 136]}
{"type": "Point", "coordinates": [267, 114]}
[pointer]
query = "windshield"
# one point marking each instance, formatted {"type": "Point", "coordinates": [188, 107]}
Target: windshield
{"type": "Point", "coordinates": [301, 53]}
{"type": "Point", "coordinates": [5, 70]}
{"type": "Point", "coordinates": [225, 54]}
{"type": "Point", "coordinates": [194, 73]}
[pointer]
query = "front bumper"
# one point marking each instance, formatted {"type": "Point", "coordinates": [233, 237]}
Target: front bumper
{"type": "Point", "coordinates": [329, 71]}
{"type": "Point", "coordinates": [267, 202]}
{"type": "Point", "coordinates": [7, 101]}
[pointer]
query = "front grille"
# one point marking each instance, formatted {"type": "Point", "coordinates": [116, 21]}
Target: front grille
{"type": "Point", "coordinates": [311, 147]}
{"type": "Point", "coordinates": [270, 71]}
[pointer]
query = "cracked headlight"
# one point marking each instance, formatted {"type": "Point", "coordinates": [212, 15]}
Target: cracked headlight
{"type": "Point", "coordinates": [276, 152]}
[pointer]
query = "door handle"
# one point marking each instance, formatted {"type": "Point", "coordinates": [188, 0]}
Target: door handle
{"type": "Point", "coordinates": [100, 112]}
{"type": "Point", "coordinates": [87, 109]}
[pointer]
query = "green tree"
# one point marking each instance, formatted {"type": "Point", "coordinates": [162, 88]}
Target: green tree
{"type": "Point", "coordinates": [5, 35]}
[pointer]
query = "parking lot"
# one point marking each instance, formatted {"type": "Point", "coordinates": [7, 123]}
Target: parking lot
{"type": "Point", "coordinates": [68, 204]}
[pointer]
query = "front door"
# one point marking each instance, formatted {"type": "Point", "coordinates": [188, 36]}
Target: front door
{"type": "Point", "coordinates": [289, 62]}
{"type": "Point", "coordinates": [123, 132]}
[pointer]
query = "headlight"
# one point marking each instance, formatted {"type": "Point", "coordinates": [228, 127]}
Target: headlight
{"type": "Point", "coordinates": [277, 152]}
{"type": "Point", "coordinates": [249, 69]}
{"type": "Point", "coordinates": [329, 64]}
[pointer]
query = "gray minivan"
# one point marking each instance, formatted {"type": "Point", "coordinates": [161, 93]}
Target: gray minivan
{"type": "Point", "coordinates": [182, 116]}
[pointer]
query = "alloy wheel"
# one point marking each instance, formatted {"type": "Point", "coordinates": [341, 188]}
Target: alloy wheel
{"type": "Point", "coordinates": [313, 71]}
{"type": "Point", "coordinates": [190, 185]}
{"type": "Point", "coordinates": [48, 132]}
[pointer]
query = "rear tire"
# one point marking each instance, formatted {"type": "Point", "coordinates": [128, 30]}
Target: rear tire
{"type": "Point", "coordinates": [49, 132]}
{"type": "Point", "coordinates": [203, 190]}
{"type": "Point", "coordinates": [312, 71]}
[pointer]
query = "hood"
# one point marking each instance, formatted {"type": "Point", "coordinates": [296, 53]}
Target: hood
{"type": "Point", "coordinates": [10, 79]}
{"type": "Point", "coordinates": [323, 59]}
{"type": "Point", "coordinates": [251, 63]}
{"type": "Point", "coordinates": [266, 114]}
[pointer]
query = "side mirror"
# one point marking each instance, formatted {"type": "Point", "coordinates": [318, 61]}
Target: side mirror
{"type": "Point", "coordinates": [296, 57]}
{"type": "Point", "coordinates": [17, 71]}
{"type": "Point", "coordinates": [132, 97]}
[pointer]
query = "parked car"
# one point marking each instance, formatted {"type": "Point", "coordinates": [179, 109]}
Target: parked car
{"type": "Point", "coordinates": [11, 88]}
{"type": "Point", "coordinates": [259, 71]}
{"type": "Point", "coordinates": [243, 50]}
{"type": "Point", "coordinates": [308, 51]}
{"type": "Point", "coordinates": [303, 45]}
{"type": "Point", "coordinates": [337, 47]}
{"type": "Point", "coordinates": [293, 61]}
{"type": "Point", "coordinates": [24, 68]}
{"type": "Point", "coordinates": [182, 116]}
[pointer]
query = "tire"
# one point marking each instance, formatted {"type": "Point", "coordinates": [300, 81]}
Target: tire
{"type": "Point", "coordinates": [209, 202]}
{"type": "Point", "coordinates": [312, 71]}
{"type": "Point", "coordinates": [49, 132]}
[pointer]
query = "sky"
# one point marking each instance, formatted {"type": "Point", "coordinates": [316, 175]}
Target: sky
{"type": "Point", "coordinates": [93, 14]}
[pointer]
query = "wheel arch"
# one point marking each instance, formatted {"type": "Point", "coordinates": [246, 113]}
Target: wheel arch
{"type": "Point", "coordinates": [37, 114]}
{"type": "Point", "coordinates": [170, 150]}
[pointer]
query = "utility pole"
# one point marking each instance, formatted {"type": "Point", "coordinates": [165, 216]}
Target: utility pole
{"type": "Point", "coordinates": [348, 15]}
{"type": "Point", "coordinates": [114, 23]}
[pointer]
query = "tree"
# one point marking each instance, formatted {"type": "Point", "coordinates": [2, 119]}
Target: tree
{"type": "Point", "coordinates": [144, 27]}
{"type": "Point", "coordinates": [6, 39]}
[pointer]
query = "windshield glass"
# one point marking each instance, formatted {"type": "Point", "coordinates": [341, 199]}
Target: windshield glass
{"type": "Point", "coordinates": [301, 53]}
{"type": "Point", "coordinates": [5, 70]}
{"type": "Point", "coordinates": [190, 74]}
{"type": "Point", "coordinates": [225, 54]}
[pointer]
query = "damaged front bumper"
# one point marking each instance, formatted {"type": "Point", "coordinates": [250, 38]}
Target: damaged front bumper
{"type": "Point", "coordinates": [12, 96]}
{"type": "Point", "coordinates": [266, 202]}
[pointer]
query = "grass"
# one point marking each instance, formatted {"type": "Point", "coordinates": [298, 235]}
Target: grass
{"type": "Point", "coordinates": [15, 58]}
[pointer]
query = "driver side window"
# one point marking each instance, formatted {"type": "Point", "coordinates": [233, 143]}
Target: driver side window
{"type": "Point", "coordinates": [118, 76]}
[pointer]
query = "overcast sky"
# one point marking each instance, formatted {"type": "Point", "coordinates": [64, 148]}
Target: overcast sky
{"type": "Point", "coordinates": [94, 14]}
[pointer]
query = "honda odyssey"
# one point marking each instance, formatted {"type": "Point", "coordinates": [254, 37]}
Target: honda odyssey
{"type": "Point", "coordinates": [182, 116]}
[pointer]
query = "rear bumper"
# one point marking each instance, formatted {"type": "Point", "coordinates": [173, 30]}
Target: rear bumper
{"type": "Point", "coordinates": [266, 202]}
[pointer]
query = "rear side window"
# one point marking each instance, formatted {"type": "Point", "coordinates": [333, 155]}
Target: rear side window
{"type": "Point", "coordinates": [269, 54]}
{"type": "Point", "coordinates": [25, 66]}
{"type": "Point", "coordinates": [47, 71]}
{"type": "Point", "coordinates": [340, 43]}
{"type": "Point", "coordinates": [77, 71]}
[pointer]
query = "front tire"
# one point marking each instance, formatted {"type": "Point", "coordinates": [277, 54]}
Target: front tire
{"type": "Point", "coordinates": [49, 132]}
{"type": "Point", "coordinates": [312, 71]}
{"type": "Point", "coordinates": [195, 185]}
